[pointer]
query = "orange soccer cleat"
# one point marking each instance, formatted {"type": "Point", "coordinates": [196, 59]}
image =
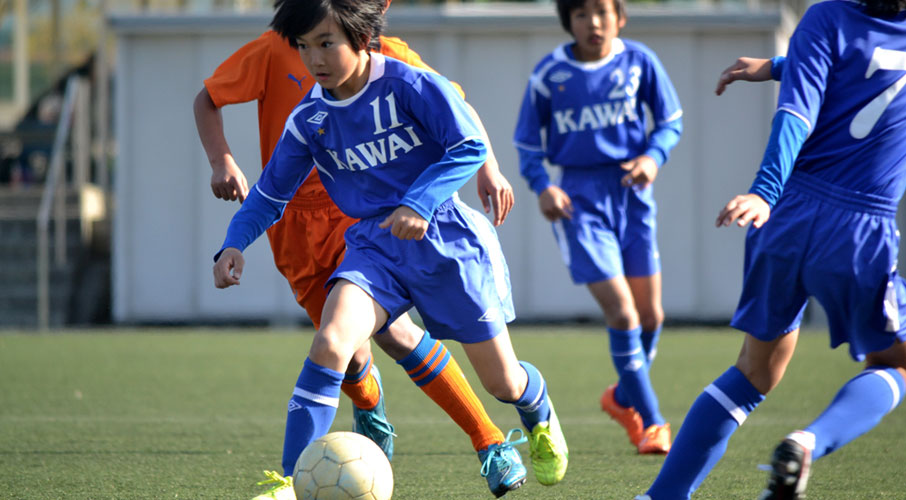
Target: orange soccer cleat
{"type": "Point", "coordinates": [627, 417]}
{"type": "Point", "coordinates": [655, 440]}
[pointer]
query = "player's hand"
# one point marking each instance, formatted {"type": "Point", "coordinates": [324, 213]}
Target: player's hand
{"type": "Point", "coordinates": [494, 191]}
{"type": "Point", "coordinates": [744, 208]}
{"type": "Point", "coordinates": [228, 268]}
{"type": "Point", "coordinates": [749, 69]}
{"type": "Point", "coordinates": [555, 204]}
{"type": "Point", "coordinates": [405, 224]}
{"type": "Point", "coordinates": [642, 171]}
{"type": "Point", "coordinates": [228, 182]}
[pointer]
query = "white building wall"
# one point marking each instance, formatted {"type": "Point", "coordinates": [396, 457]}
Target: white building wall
{"type": "Point", "coordinates": [168, 224]}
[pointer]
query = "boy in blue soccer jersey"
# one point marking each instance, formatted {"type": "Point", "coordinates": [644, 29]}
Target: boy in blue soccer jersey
{"type": "Point", "coordinates": [823, 209]}
{"type": "Point", "coordinates": [392, 145]}
{"type": "Point", "coordinates": [583, 111]}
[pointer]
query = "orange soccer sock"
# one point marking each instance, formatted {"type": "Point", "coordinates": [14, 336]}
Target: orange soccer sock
{"type": "Point", "coordinates": [362, 388]}
{"type": "Point", "coordinates": [433, 369]}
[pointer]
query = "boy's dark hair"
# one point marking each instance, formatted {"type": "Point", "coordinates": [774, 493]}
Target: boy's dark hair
{"type": "Point", "coordinates": [362, 21]}
{"type": "Point", "coordinates": [565, 8]}
{"type": "Point", "coordinates": [884, 8]}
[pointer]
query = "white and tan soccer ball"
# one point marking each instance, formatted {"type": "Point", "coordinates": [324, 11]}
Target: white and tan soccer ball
{"type": "Point", "coordinates": [343, 466]}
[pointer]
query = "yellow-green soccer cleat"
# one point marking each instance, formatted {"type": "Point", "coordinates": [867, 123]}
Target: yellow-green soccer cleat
{"type": "Point", "coordinates": [549, 453]}
{"type": "Point", "coordinates": [281, 489]}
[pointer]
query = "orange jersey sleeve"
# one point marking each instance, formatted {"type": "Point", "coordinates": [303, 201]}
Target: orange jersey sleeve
{"type": "Point", "coordinates": [270, 71]}
{"type": "Point", "coordinates": [267, 70]}
{"type": "Point", "coordinates": [398, 49]}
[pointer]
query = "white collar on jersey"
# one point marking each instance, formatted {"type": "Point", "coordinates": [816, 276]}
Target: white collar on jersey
{"type": "Point", "coordinates": [377, 71]}
{"type": "Point", "coordinates": [616, 47]}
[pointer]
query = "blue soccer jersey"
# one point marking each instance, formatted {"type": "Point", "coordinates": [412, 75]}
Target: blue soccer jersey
{"type": "Point", "coordinates": [833, 173]}
{"type": "Point", "coordinates": [406, 138]}
{"type": "Point", "coordinates": [590, 114]}
{"type": "Point", "coordinates": [374, 151]}
{"type": "Point", "coordinates": [843, 78]}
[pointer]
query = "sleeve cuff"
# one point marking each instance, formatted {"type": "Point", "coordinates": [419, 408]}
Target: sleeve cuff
{"type": "Point", "coordinates": [659, 157]}
{"type": "Point", "coordinates": [777, 64]}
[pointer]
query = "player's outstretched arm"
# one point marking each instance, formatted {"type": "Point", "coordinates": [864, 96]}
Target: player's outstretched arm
{"type": "Point", "coordinates": [555, 204]}
{"type": "Point", "coordinates": [494, 190]}
{"type": "Point", "coordinates": [228, 268]}
{"type": "Point", "coordinates": [744, 208]}
{"type": "Point", "coordinates": [227, 179]}
{"type": "Point", "coordinates": [749, 69]}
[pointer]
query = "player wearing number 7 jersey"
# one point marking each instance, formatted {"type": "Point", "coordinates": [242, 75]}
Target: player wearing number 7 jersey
{"type": "Point", "coordinates": [823, 208]}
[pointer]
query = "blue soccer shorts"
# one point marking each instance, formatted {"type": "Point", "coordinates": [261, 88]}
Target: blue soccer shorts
{"type": "Point", "coordinates": [832, 244]}
{"type": "Point", "coordinates": [613, 228]}
{"type": "Point", "coordinates": [456, 276]}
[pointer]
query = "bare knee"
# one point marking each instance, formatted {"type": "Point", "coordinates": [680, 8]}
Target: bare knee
{"type": "Point", "coordinates": [622, 318]}
{"type": "Point", "coordinates": [509, 385]}
{"type": "Point", "coordinates": [504, 390]}
{"type": "Point", "coordinates": [359, 359]}
{"type": "Point", "coordinates": [400, 339]}
{"type": "Point", "coordinates": [892, 357]}
{"type": "Point", "coordinates": [651, 319]}
{"type": "Point", "coordinates": [328, 349]}
{"type": "Point", "coordinates": [764, 362]}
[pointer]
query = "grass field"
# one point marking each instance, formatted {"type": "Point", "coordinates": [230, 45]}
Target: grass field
{"type": "Point", "coordinates": [197, 414]}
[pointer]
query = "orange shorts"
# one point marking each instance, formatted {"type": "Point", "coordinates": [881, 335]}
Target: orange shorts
{"type": "Point", "coordinates": [308, 245]}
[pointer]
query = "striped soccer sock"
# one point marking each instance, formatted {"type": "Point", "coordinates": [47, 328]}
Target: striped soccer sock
{"type": "Point", "coordinates": [714, 417]}
{"type": "Point", "coordinates": [632, 368]}
{"type": "Point", "coordinates": [311, 410]}
{"type": "Point", "coordinates": [434, 370]}
{"type": "Point", "coordinates": [857, 408]}
{"type": "Point", "coordinates": [362, 388]}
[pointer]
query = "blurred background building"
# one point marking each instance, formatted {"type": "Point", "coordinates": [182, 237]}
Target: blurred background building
{"type": "Point", "coordinates": [71, 230]}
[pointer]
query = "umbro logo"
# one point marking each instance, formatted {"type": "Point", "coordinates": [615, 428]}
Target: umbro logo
{"type": "Point", "coordinates": [293, 406]}
{"type": "Point", "coordinates": [489, 316]}
{"type": "Point", "coordinates": [318, 117]}
{"type": "Point", "coordinates": [634, 365]}
{"type": "Point", "coordinates": [561, 76]}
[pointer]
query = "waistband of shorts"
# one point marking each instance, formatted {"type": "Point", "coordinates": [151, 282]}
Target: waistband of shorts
{"type": "Point", "coordinates": [310, 203]}
{"type": "Point", "coordinates": [842, 197]}
{"type": "Point", "coordinates": [599, 167]}
{"type": "Point", "coordinates": [448, 204]}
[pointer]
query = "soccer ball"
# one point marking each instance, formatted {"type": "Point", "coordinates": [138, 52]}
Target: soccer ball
{"type": "Point", "coordinates": [343, 466]}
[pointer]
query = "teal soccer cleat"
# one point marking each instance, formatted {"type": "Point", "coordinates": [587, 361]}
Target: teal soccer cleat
{"type": "Point", "coordinates": [373, 423]}
{"type": "Point", "coordinates": [502, 465]}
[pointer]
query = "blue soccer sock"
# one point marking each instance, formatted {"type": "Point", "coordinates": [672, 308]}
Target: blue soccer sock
{"type": "Point", "coordinates": [714, 417]}
{"type": "Point", "coordinates": [533, 406]}
{"type": "Point", "coordinates": [649, 346]}
{"type": "Point", "coordinates": [857, 408]}
{"type": "Point", "coordinates": [311, 410]}
{"type": "Point", "coordinates": [632, 368]}
{"type": "Point", "coordinates": [620, 396]}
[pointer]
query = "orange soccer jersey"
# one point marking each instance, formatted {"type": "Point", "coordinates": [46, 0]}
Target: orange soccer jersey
{"type": "Point", "coordinates": [307, 242]}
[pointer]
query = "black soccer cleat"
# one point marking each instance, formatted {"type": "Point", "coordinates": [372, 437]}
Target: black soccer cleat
{"type": "Point", "coordinates": [790, 467]}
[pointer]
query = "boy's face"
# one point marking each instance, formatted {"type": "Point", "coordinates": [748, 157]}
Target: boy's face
{"type": "Point", "coordinates": [332, 60]}
{"type": "Point", "coordinates": [594, 25]}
